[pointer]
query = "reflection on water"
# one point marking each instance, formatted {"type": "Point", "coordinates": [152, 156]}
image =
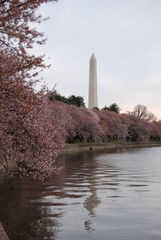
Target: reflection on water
{"type": "Point", "coordinates": [96, 196]}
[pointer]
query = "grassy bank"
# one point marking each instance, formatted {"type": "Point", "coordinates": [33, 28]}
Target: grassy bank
{"type": "Point", "coordinates": [69, 148]}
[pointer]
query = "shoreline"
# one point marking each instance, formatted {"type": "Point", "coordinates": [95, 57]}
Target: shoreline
{"type": "Point", "coordinates": [89, 147]}
{"type": "Point", "coordinates": [72, 148]}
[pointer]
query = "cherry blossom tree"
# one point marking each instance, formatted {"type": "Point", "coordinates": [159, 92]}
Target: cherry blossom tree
{"type": "Point", "coordinates": [111, 125]}
{"type": "Point", "coordinates": [139, 130]}
{"type": "Point", "coordinates": [34, 143]}
{"type": "Point", "coordinates": [79, 120]}
{"type": "Point", "coordinates": [27, 134]}
{"type": "Point", "coordinates": [92, 125]}
{"type": "Point", "coordinates": [104, 125]}
{"type": "Point", "coordinates": [78, 124]}
{"type": "Point", "coordinates": [60, 115]}
{"type": "Point", "coordinates": [156, 130]}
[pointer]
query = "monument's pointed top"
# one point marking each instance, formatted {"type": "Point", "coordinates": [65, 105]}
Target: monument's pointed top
{"type": "Point", "coordinates": [93, 56]}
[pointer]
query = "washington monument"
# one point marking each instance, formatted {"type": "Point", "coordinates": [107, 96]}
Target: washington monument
{"type": "Point", "coordinates": [92, 98]}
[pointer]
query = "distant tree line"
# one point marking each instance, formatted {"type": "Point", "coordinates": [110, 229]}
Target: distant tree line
{"type": "Point", "coordinates": [86, 125]}
{"type": "Point", "coordinates": [73, 100]}
{"type": "Point", "coordinates": [78, 101]}
{"type": "Point", "coordinates": [113, 108]}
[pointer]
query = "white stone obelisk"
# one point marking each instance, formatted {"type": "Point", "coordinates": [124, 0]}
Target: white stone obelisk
{"type": "Point", "coordinates": [92, 98]}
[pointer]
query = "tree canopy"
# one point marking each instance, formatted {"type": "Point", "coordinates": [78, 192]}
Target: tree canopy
{"type": "Point", "coordinates": [141, 111]}
{"type": "Point", "coordinates": [86, 125]}
{"type": "Point", "coordinates": [73, 100]}
{"type": "Point", "coordinates": [113, 108]}
{"type": "Point", "coordinates": [26, 131]}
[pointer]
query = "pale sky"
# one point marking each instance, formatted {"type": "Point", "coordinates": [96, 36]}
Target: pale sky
{"type": "Point", "coordinates": [124, 35]}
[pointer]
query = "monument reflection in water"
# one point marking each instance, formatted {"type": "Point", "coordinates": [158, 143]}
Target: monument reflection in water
{"type": "Point", "coordinates": [96, 196]}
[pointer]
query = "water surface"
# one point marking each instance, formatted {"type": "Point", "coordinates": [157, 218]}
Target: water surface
{"type": "Point", "coordinates": [98, 195]}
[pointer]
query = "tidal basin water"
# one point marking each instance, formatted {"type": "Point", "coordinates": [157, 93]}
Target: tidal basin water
{"type": "Point", "coordinates": [97, 196]}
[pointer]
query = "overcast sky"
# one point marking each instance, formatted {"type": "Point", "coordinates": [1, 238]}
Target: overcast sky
{"type": "Point", "coordinates": [125, 36]}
